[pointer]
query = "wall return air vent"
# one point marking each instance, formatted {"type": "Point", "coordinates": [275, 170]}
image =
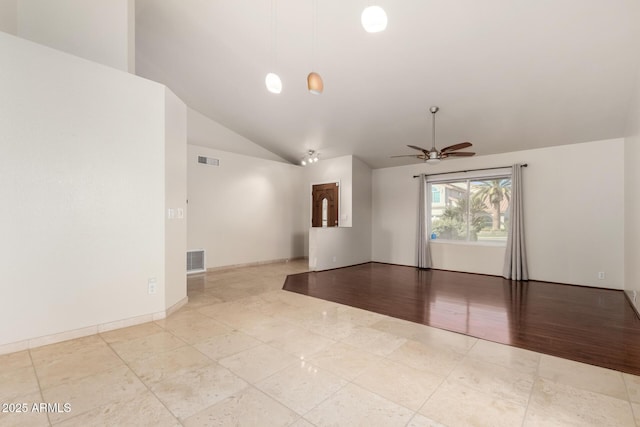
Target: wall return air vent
{"type": "Point", "coordinates": [208, 161]}
{"type": "Point", "coordinates": [195, 261]}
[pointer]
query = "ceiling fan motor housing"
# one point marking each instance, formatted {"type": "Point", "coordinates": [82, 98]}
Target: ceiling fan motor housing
{"type": "Point", "coordinates": [433, 157]}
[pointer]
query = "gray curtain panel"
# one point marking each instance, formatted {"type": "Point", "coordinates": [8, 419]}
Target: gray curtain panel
{"type": "Point", "coordinates": [424, 255]}
{"type": "Point", "coordinates": [515, 259]}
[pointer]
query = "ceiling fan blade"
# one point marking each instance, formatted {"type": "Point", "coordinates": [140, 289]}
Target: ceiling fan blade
{"type": "Point", "coordinates": [409, 155]}
{"type": "Point", "coordinates": [454, 147]}
{"type": "Point", "coordinates": [418, 148]}
{"type": "Point", "coordinates": [459, 154]}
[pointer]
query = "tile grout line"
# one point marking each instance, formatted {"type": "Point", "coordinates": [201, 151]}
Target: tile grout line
{"type": "Point", "coordinates": [633, 414]}
{"type": "Point", "coordinates": [536, 377]}
{"type": "Point", "coordinates": [80, 378]}
{"type": "Point", "coordinates": [140, 379]}
{"type": "Point", "coordinates": [35, 372]}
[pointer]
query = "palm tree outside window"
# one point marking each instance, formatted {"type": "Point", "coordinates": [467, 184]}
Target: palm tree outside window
{"type": "Point", "coordinates": [472, 210]}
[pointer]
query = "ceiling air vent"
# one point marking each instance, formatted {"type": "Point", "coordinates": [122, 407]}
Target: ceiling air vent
{"type": "Point", "coordinates": [208, 161]}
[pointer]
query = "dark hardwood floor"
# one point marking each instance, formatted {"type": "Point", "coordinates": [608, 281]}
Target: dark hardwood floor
{"type": "Point", "coordinates": [591, 325]}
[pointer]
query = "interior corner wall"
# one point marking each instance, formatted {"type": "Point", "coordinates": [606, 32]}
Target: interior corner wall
{"type": "Point", "coordinates": [9, 16]}
{"type": "Point", "coordinates": [82, 172]}
{"type": "Point", "coordinates": [206, 132]}
{"type": "Point", "coordinates": [362, 203]}
{"type": "Point", "coordinates": [574, 205]}
{"type": "Point", "coordinates": [632, 201]}
{"type": "Point", "coordinates": [175, 166]}
{"type": "Point", "coordinates": [99, 30]}
{"type": "Point", "coordinates": [244, 211]}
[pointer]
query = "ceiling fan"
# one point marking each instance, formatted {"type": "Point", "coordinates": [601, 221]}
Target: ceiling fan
{"type": "Point", "coordinates": [434, 155]}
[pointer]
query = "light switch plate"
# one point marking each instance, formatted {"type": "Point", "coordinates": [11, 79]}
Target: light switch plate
{"type": "Point", "coordinates": [152, 285]}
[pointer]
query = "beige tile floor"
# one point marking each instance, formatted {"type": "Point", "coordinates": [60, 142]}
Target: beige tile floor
{"type": "Point", "coordinates": [245, 352]}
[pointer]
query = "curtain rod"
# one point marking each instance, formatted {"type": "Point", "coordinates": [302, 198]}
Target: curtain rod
{"type": "Point", "coordinates": [471, 170]}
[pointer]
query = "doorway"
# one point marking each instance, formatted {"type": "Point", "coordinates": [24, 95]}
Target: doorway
{"type": "Point", "coordinates": [324, 205]}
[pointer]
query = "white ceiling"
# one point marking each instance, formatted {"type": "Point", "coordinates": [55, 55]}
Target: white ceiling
{"type": "Point", "coordinates": [507, 74]}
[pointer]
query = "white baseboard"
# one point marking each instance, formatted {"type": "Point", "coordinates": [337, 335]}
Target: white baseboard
{"type": "Point", "coordinates": [253, 264]}
{"type": "Point", "coordinates": [90, 330]}
{"type": "Point", "coordinates": [177, 306]}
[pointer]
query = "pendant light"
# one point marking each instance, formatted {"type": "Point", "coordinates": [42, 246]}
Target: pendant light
{"type": "Point", "coordinates": [272, 80]}
{"type": "Point", "coordinates": [273, 83]}
{"type": "Point", "coordinates": [314, 81]}
{"type": "Point", "coordinates": [374, 19]}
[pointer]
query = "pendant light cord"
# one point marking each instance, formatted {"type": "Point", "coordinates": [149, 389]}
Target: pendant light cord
{"type": "Point", "coordinates": [274, 38]}
{"type": "Point", "coordinates": [315, 24]}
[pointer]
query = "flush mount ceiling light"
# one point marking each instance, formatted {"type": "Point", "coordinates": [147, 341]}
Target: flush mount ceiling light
{"type": "Point", "coordinates": [374, 19]}
{"type": "Point", "coordinates": [272, 80]}
{"type": "Point", "coordinates": [310, 158]}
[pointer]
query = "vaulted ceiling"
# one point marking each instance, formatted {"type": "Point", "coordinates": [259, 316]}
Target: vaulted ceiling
{"type": "Point", "coordinates": [507, 75]}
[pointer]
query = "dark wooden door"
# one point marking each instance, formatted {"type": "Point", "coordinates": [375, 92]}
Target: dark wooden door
{"type": "Point", "coordinates": [319, 193]}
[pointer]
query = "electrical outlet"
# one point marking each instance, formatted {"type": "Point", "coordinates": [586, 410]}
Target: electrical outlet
{"type": "Point", "coordinates": [600, 275]}
{"type": "Point", "coordinates": [152, 285]}
{"type": "Point", "coordinates": [334, 259]}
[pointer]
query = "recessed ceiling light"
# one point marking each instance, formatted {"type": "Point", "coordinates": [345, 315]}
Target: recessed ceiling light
{"type": "Point", "coordinates": [374, 19]}
{"type": "Point", "coordinates": [273, 83]}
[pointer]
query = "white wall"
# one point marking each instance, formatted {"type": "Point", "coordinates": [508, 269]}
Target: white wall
{"type": "Point", "coordinates": [574, 202]}
{"type": "Point", "coordinates": [246, 210]}
{"type": "Point", "coordinates": [362, 203]}
{"type": "Point", "coordinates": [175, 163]}
{"type": "Point", "coordinates": [206, 132]}
{"type": "Point", "coordinates": [9, 16]}
{"type": "Point", "coordinates": [83, 188]}
{"type": "Point", "coordinates": [99, 30]}
{"type": "Point", "coordinates": [250, 210]}
{"type": "Point", "coordinates": [335, 247]}
{"type": "Point", "coordinates": [350, 243]}
{"type": "Point", "coordinates": [632, 200]}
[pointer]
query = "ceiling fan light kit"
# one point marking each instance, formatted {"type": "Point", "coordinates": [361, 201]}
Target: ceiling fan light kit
{"type": "Point", "coordinates": [434, 156]}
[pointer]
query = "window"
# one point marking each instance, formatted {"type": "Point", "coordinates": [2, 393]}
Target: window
{"type": "Point", "coordinates": [435, 195]}
{"type": "Point", "coordinates": [470, 209]}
